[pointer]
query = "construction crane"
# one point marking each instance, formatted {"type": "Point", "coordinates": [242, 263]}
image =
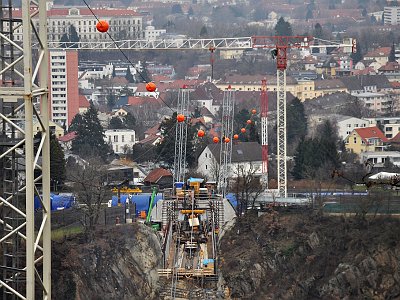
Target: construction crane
{"type": "Point", "coordinates": [225, 157]}
{"type": "Point", "coordinates": [34, 91]}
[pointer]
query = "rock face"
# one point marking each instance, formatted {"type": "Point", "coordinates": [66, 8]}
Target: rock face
{"type": "Point", "coordinates": [308, 256]}
{"type": "Point", "coordinates": [120, 263]}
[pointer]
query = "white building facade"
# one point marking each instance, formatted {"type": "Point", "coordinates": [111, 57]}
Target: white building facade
{"type": "Point", "coordinates": [121, 140]}
{"type": "Point", "coordinates": [391, 15]}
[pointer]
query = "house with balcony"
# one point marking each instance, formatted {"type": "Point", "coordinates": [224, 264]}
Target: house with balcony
{"type": "Point", "coordinates": [379, 158]}
{"type": "Point", "coordinates": [368, 139]}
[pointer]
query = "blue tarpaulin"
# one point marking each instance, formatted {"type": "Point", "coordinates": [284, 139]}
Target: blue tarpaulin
{"type": "Point", "coordinates": [142, 200]}
{"type": "Point", "coordinates": [232, 199]}
{"type": "Point", "coordinates": [57, 201]}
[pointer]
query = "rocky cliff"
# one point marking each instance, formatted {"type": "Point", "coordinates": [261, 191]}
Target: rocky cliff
{"type": "Point", "coordinates": [310, 256]}
{"type": "Point", "coordinates": [120, 263]}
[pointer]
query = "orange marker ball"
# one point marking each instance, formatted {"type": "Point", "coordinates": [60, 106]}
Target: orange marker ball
{"type": "Point", "coordinates": [236, 136]}
{"type": "Point", "coordinates": [248, 122]}
{"type": "Point", "coordinates": [102, 26]}
{"type": "Point", "coordinates": [180, 118]}
{"type": "Point", "coordinates": [227, 140]}
{"type": "Point", "coordinates": [243, 130]}
{"type": "Point", "coordinates": [254, 111]}
{"type": "Point", "coordinates": [200, 133]}
{"type": "Point", "coordinates": [216, 140]}
{"type": "Point", "coordinates": [151, 87]}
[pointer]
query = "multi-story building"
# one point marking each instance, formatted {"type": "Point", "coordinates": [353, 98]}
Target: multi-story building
{"type": "Point", "coordinates": [391, 15]}
{"type": "Point", "coordinates": [366, 139]}
{"type": "Point", "coordinates": [378, 102]}
{"type": "Point", "coordinates": [124, 23]}
{"type": "Point", "coordinates": [63, 86]}
{"type": "Point", "coordinates": [121, 140]}
{"type": "Point", "coordinates": [151, 33]}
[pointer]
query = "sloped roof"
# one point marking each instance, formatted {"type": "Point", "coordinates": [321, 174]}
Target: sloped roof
{"type": "Point", "coordinates": [156, 174]}
{"type": "Point", "coordinates": [379, 52]}
{"type": "Point", "coordinates": [329, 84]}
{"type": "Point", "coordinates": [390, 66]}
{"type": "Point", "coordinates": [83, 101]}
{"type": "Point", "coordinates": [354, 83]}
{"type": "Point", "coordinates": [153, 130]}
{"type": "Point", "coordinates": [241, 152]}
{"type": "Point", "coordinates": [68, 137]}
{"type": "Point", "coordinates": [396, 138]}
{"type": "Point", "coordinates": [371, 132]}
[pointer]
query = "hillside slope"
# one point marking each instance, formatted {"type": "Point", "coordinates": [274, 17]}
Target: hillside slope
{"type": "Point", "coordinates": [120, 263]}
{"type": "Point", "coordinates": [309, 256]}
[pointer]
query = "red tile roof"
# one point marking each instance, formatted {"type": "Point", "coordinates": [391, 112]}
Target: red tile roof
{"type": "Point", "coordinates": [379, 52]}
{"type": "Point", "coordinates": [68, 137]}
{"type": "Point", "coordinates": [371, 132]}
{"type": "Point", "coordinates": [137, 101]}
{"type": "Point", "coordinates": [153, 130]}
{"type": "Point", "coordinates": [155, 175]}
{"type": "Point", "coordinates": [396, 138]}
{"type": "Point", "coordinates": [83, 101]}
{"type": "Point", "coordinates": [390, 66]}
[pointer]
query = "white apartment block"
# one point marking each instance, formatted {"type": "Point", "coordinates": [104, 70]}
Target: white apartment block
{"type": "Point", "coordinates": [390, 125]}
{"type": "Point", "coordinates": [121, 140]}
{"type": "Point", "coordinates": [346, 125]}
{"type": "Point", "coordinates": [151, 33]}
{"type": "Point", "coordinates": [391, 15]}
{"type": "Point", "coordinates": [377, 102]}
{"type": "Point", "coordinates": [124, 23]}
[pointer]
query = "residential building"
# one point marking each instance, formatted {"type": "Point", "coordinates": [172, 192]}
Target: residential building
{"type": "Point", "coordinates": [124, 23]}
{"type": "Point", "coordinates": [66, 140]}
{"type": "Point", "coordinates": [151, 33]}
{"type": "Point", "coordinates": [346, 125]}
{"type": "Point", "coordinates": [378, 102]}
{"type": "Point", "coordinates": [367, 83]}
{"type": "Point", "coordinates": [391, 15]}
{"type": "Point", "coordinates": [391, 70]}
{"type": "Point", "coordinates": [366, 139]}
{"type": "Point", "coordinates": [389, 125]}
{"type": "Point", "coordinates": [380, 55]}
{"type": "Point", "coordinates": [161, 177]}
{"type": "Point", "coordinates": [63, 86]}
{"type": "Point", "coordinates": [327, 87]}
{"type": "Point", "coordinates": [245, 155]}
{"type": "Point", "coordinates": [121, 140]}
{"type": "Point", "coordinates": [379, 158]}
{"type": "Point", "coordinates": [55, 129]}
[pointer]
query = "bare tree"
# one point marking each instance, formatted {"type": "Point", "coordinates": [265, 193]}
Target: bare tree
{"type": "Point", "coordinates": [247, 185]}
{"type": "Point", "coordinates": [91, 190]}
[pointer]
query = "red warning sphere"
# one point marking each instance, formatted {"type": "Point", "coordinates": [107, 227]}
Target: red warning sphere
{"type": "Point", "coordinates": [216, 140]}
{"type": "Point", "coordinates": [254, 111]}
{"type": "Point", "coordinates": [151, 87]}
{"type": "Point", "coordinates": [248, 122]}
{"type": "Point", "coordinates": [200, 133]}
{"type": "Point", "coordinates": [102, 26]}
{"type": "Point", "coordinates": [180, 118]}
{"type": "Point", "coordinates": [243, 130]}
{"type": "Point", "coordinates": [227, 140]}
{"type": "Point", "coordinates": [236, 136]}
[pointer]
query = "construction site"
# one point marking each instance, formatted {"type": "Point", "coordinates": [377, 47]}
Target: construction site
{"type": "Point", "coordinates": [190, 243]}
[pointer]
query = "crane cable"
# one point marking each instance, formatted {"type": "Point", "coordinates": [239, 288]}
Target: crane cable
{"type": "Point", "coordinates": [123, 53]}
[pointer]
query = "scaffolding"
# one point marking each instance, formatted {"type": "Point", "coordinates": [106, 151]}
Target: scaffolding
{"type": "Point", "coordinates": [25, 161]}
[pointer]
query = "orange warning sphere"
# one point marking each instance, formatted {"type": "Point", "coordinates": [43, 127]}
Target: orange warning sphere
{"type": "Point", "coordinates": [227, 140]}
{"type": "Point", "coordinates": [102, 26]}
{"type": "Point", "coordinates": [180, 118]}
{"type": "Point", "coordinates": [216, 140]}
{"type": "Point", "coordinates": [151, 87]}
{"type": "Point", "coordinates": [236, 136]}
{"type": "Point", "coordinates": [254, 111]}
{"type": "Point", "coordinates": [200, 133]}
{"type": "Point", "coordinates": [248, 122]}
{"type": "Point", "coordinates": [243, 130]}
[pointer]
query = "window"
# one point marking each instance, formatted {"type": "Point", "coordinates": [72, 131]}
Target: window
{"type": "Point", "coordinates": [109, 138]}
{"type": "Point", "coordinates": [132, 138]}
{"type": "Point", "coordinates": [206, 167]}
{"type": "Point", "coordinates": [123, 138]}
{"type": "Point", "coordinates": [116, 148]}
{"type": "Point", "coordinates": [355, 140]}
{"type": "Point", "coordinates": [115, 138]}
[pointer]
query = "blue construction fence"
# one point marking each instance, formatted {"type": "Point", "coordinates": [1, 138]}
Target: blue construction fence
{"type": "Point", "coordinates": [57, 201]}
{"type": "Point", "coordinates": [142, 201]}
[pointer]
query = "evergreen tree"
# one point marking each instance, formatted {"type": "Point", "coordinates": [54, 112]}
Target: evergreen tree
{"type": "Point", "coordinates": [166, 149]}
{"type": "Point", "coordinates": [392, 54]}
{"type": "Point", "coordinates": [116, 123]}
{"type": "Point", "coordinates": [77, 121]}
{"type": "Point", "coordinates": [309, 14]}
{"type": "Point", "coordinates": [64, 39]}
{"type": "Point", "coordinates": [144, 75]}
{"type": "Point", "coordinates": [296, 121]}
{"type": "Point", "coordinates": [129, 75]}
{"type": "Point", "coordinates": [283, 28]}
{"type": "Point", "coordinates": [90, 136]}
{"type": "Point", "coordinates": [57, 163]}
{"type": "Point", "coordinates": [129, 121]}
{"type": "Point", "coordinates": [318, 33]}
{"type": "Point", "coordinates": [203, 31]}
{"type": "Point", "coordinates": [111, 100]}
{"type": "Point", "coordinates": [356, 57]}
{"type": "Point", "coordinates": [73, 36]}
